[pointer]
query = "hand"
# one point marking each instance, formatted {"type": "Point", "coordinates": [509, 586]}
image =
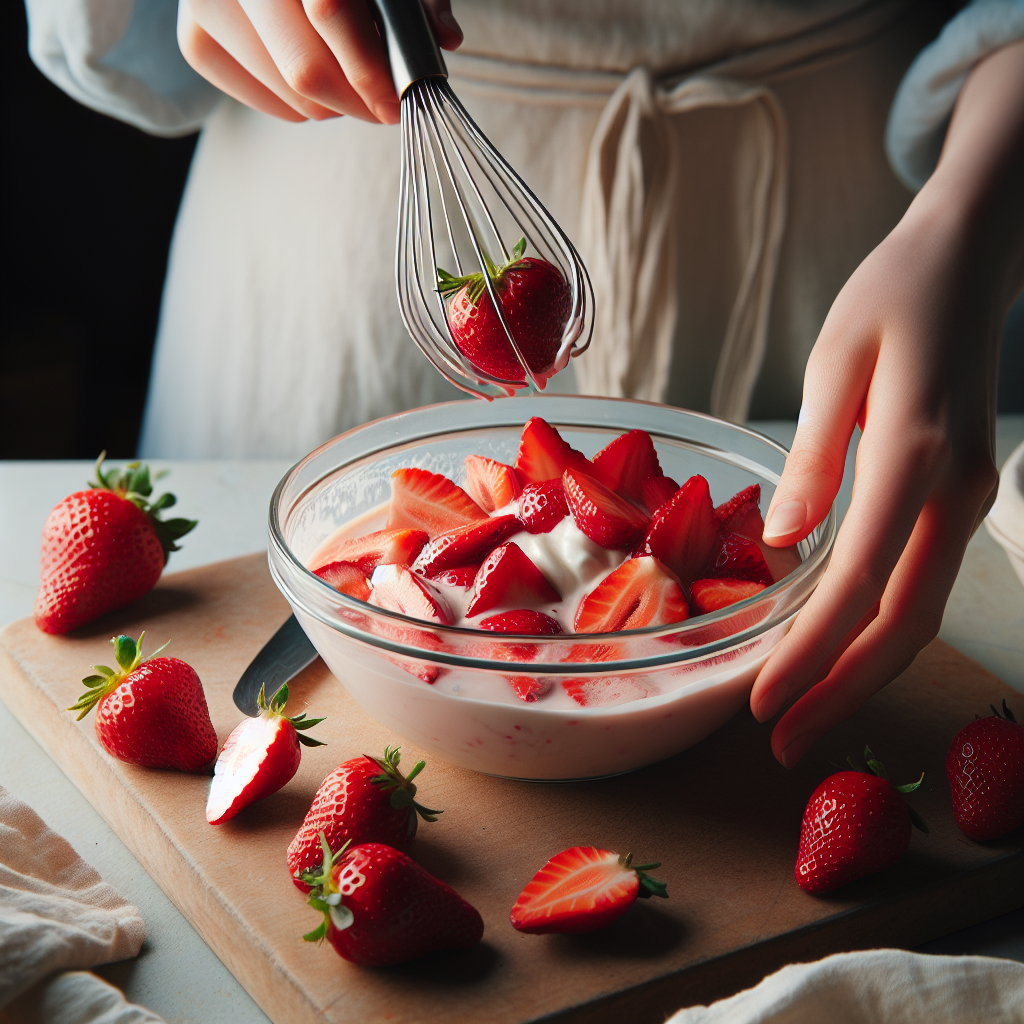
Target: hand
{"type": "Point", "coordinates": [909, 351]}
{"type": "Point", "coordinates": [297, 60]}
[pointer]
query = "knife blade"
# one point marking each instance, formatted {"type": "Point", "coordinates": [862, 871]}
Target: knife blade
{"type": "Point", "coordinates": [281, 658]}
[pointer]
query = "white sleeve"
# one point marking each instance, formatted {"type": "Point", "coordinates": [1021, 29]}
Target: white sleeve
{"type": "Point", "coordinates": [925, 99]}
{"type": "Point", "coordinates": [120, 57]}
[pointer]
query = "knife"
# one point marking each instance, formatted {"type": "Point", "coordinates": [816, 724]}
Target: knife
{"type": "Point", "coordinates": [282, 657]}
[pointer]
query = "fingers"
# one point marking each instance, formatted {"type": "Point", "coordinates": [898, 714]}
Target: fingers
{"type": "Point", "coordinates": [909, 616]}
{"type": "Point", "coordinates": [227, 23]}
{"type": "Point", "coordinates": [216, 65]}
{"type": "Point", "coordinates": [447, 30]}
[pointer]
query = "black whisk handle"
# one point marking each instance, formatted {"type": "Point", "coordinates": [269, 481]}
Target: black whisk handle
{"type": "Point", "coordinates": [412, 50]}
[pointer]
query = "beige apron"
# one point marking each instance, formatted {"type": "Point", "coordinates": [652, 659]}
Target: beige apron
{"type": "Point", "coordinates": [720, 203]}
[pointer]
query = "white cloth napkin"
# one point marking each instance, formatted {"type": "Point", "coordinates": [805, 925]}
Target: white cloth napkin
{"type": "Point", "coordinates": [880, 986]}
{"type": "Point", "coordinates": [58, 915]}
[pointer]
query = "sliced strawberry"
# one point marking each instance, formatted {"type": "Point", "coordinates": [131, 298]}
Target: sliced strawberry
{"type": "Point", "coordinates": [627, 462]}
{"type": "Point", "coordinates": [736, 557]}
{"type": "Point", "coordinates": [541, 507]}
{"type": "Point", "coordinates": [543, 455]}
{"type": "Point", "coordinates": [492, 485]}
{"type": "Point", "coordinates": [508, 577]}
{"type": "Point", "coordinates": [528, 688]}
{"type": "Point", "coordinates": [399, 589]}
{"type": "Point", "coordinates": [607, 519]}
{"type": "Point", "coordinates": [742, 513]}
{"type": "Point", "coordinates": [384, 547]}
{"type": "Point", "coordinates": [430, 502]}
{"type": "Point", "coordinates": [524, 621]}
{"type": "Point", "coordinates": [608, 691]}
{"type": "Point", "coordinates": [640, 592]}
{"type": "Point", "coordinates": [462, 576]}
{"type": "Point", "coordinates": [346, 578]}
{"type": "Point", "coordinates": [683, 530]}
{"type": "Point", "coordinates": [582, 889]}
{"type": "Point", "coordinates": [464, 545]}
{"type": "Point", "coordinates": [712, 595]}
{"type": "Point", "coordinates": [656, 490]}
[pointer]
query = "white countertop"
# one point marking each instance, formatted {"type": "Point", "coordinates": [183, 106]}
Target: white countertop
{"type": "Point", "coordinates": [177, 975]}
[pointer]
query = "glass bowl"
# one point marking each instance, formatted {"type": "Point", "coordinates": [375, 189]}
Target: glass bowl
{"type": "Point", "coordinates": [685, 679]}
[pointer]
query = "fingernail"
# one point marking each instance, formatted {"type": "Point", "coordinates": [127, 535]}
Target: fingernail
{"type": "Point", "coordinates": [448, 19]}
{"type": "Point", "coordinates": [787, 517]}
{"type": "Point", "coordinates": [796, 749]}
{"type": "Point", "coordinates": [770, 703]}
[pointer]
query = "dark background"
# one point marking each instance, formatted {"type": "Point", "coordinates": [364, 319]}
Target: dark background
{"type": "Point", "coordinates": [88, 214]}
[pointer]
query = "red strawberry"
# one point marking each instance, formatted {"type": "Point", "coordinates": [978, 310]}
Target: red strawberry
{"type": "Point", "coordinates": [259, 756]}
{"type": "Point", "coordinates": [523, 621]}
{"type": "Point", "coordinates": [535, 301]}
{"type": "Point", "coordinates": [656, 490]}
{"type": "Point", "coordinates": [742, 513]}
{"type": "Point", "coordinates": [346, 578]}
{"type": "Point", "coordinates": [399, 589]}
{"type": "Point", "coordinates": [640, 592]}
{"type": "Point", "coordinates": [364, 800]}
{"type": "Point", "coordinates": [854, 825]}
{"type": "Point", "coordinates": [529, 688]}
{"type": "Point", "coordinates": [543, 455]}
{"type": "Point", "coordinates": [508, 577]}
{"type": "Point", "coordinates": [985, 768]}
{"type": "Point", "coordinates": [541, 507]}
{"type": "Point", "coordinates": [381, 908]}
{"type": "Point", "coordinates": [429, 502]}
{"type": "Point", "coordinates": [384, 547]}
{"type": "Point", "coordinates": [713, 595]}
{"type": "Point", "coordinates": [736, 557]}
{"type": "Point", "coordinates": [607, 519]}
{"type": "Point", "coordinates": [462, 576]}
{"type": "Point", "coordinates": [151, 712]}
{"type": "Point", "coordinates": [492, 485]}
{"type": "Point", "coordinates": [626, 462]}
{"type": "Point", "coordinates": [683, 530]}
{"type": "Point", "coordinates": [583, 889]}
{"type": "Point", "coordinates": [608, 691]}
{"type": "Point", "coordinates": [103, 548]}
{"type": "Point", "coordinates": [465, 545]}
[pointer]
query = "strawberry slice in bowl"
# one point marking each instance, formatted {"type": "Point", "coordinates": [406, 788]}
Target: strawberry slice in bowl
{"type": "Point", "coordinates": [382, 547]}
{"type": "Point", "coordinates": [491, 484]}
{"type": "Point", "coordinates": [426, 501]}
{"type": "Point", "coordinates": [465, 545]}
{"type": "Point", "coordinates": [541, 507]}
{"type": "Point", "coordinates": [507, 577]}
{"type": "Point", "coordinates": [640, 592]}
{"type": "Point", "coordinates": [656, 490]}
{"type": "Point", "coordinates": [627, 462]}
{"type": "Point", "coordinates": [524, 622]}
{"type": "Point", "coordinates": [607, 519]}
{"type": "Point", "coordinates": [735, 557]}
{"type": "Point", "coordinates": [346, 578]}
{"type": "Point", "coordinates": [683, 530]}
{"type": "Point", "coordinates": [715, 594]}
{"type": "Point", "coordinates": [544, 455]}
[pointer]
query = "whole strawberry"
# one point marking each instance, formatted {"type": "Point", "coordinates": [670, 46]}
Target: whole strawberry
{"type": "Point", "coordinates": [364, 800]}
{"type": "Point", "coordinates": [985, 768]}
{"type": "Point", "coordinates": [855, 824]}
{"type": "Point", "coordinates": [534, 299]}
{"type": "Point", "coordinates": [381, 908]}
{"type": "Point", "coordinates": [151, 711]}
{"type": "Point", "coordinates": [103, 548]}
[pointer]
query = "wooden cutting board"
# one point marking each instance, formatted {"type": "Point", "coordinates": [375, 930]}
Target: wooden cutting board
{"type": "Point", "coordinates": [723, 818]}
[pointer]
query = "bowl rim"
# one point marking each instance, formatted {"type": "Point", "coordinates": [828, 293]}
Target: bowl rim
{"type": "Point", "coordinates": [826, 529]}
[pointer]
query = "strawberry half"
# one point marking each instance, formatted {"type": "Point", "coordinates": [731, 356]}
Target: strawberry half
{"type": "Point", "coordinates": [541, 507]}
{"type": "Point", "coordinates": [854, 825]}
{"type": "Point", "coordinates": [426, 501]}
{"type": "Point", "coordinates": [607, 519]}
{"type": "Point", "coordinates": [583, 889]}
{"type": "Point", "coordinates": [103, 548]}
{"type": "Point", "coordinates": [736, 557]}
{"type": "Point", "coordinates": [640, 592]}
{"type": "Point", "coordinates": [346, 578]}
{"type": "Point", "coordinates": [150, 711]}
{"type": "Point", "coordinates": [656, 490]}
{"type": "Point", "coordinates": [608, 691]}
{"type": "Point", "coordinates": [529, 688]}
{"type": "Point", "coordinates": [462, 576]}
{"type": "Point", "coordinates": [626, 462]}
{"type": "Point", "coordinates": [259, 756]}
{"type": "Point", "coordinates": [465, 545]}
{"type": "Point", "coordinates": [399, 589]}
{"type": "Point", "coordinates": [523, 621]}
{"type": "Point", "coordinates": [544, 455]}
{"type": "Point", "coordinates": [492, 485]}
{"type": "Point", "coordinates": [742, 513]}
{"type": "Point", "coordinates": [383, 547]}
{"type": "Point", "coordinates": [683, 530]}
{"type": "Point", "coordinates": [985, 768]}
{"type": "Point", "coordinates": [380, 908]}
{"type": "Point", "coordinates": [364, 800]}
{"type": "Point", "coordinates": [508, 577]}
{"type": "Point", "coordinates": [713, 595]}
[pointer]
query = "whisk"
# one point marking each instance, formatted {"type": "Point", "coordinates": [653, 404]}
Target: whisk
{"type": "Point", "coordinates": [463, 210]}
